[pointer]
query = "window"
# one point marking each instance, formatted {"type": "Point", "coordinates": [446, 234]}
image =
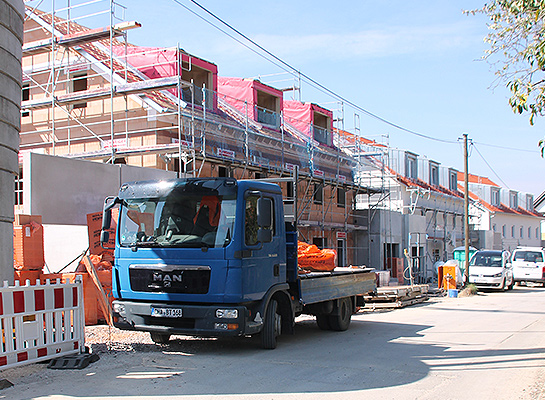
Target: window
{"type": "Point", "coordinates": [79, 84]}
{"type": "Point", "coordinates": [19, 188]}
{"type": "Point", "coordinates": [454, 221]}
{"type": "Point", "coordinates": [453, 180]}
{"type": "Point", "coordinates": [341, 197]}
{"type": "Point", "coordinates": [537, 233]}
{"type": "Point", "coordinates": [513, 231]}
{"type": "Point", "coordinates": [521, 232]}
{"type": "Point", "coordinates": [503, 231]}
{"type": "Point", "coordinates": [290, 193]}
{"type": "Point", "coordinates": [529, 233]}
{"type": "Point", "coordinates": [260, 175]}
{"type": "Point", "coordinates": [25, 96]}
{"type": "Point", "coordinates": [320, 242]}
{"type": "Point", "coordinates": [495, 196]}
{"type": "Point", "coordinates": [529, 202]}
{"type": "Point", "coordinates": [513, 200]}
{"type": "Point", "coordinates": [223, 172]}
{"type": "Point", "coordinates": [494, 227]}
{"type": "Point", "coordinates": [411, 166]}
{"type": "Point", "coordinates": [250, 222]}
{"type": "Point", "coordinates": [434, 174]}
{"type": "Point", "coordinates": [318, 193]}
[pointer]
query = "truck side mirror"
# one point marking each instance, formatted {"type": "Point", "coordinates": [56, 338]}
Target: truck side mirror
{"type": "Point", "coordinates": [264, 213]}
{"type": "Point", "coordinates": [104, 236]}
{"type": "Point", "coordinates": [106, 219]}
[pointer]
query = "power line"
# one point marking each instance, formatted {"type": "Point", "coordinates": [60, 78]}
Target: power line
{"type": "Point", "coordinates": [293, 70]}
{"type": "Point", "coordinates": [505, 147]}
{"type": "Point", "coordinates": [489, 166]}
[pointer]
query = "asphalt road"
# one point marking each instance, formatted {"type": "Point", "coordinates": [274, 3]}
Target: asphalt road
{"type": "Point", "coordinates": [490, 346]}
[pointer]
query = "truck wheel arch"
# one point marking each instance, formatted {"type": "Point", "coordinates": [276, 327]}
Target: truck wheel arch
{"type": "Point", "coordinates": [281, 295]}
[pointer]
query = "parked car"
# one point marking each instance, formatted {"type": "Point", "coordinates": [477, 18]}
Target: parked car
{"type": "Point", "coordinates": [491, 269]}
{"type": "Point", "coordinates": [528, 265]}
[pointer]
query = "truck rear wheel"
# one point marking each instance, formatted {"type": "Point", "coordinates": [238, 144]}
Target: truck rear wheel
{"type": "Point", "coordinates": [341, 320]}
{"type": "Point", "coordinates": [160, 338]}
{"type": "Point", "coordinates": [323, 322]}
{"type": "Point", "coordinates": [271, 326]}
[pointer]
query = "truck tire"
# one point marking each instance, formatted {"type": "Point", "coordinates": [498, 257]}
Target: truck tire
{"type": "Point", "coordinates": [271, 326]}
{"type": "Point", "coordinates": [323, 322]}
{"type": "Point", "coordinates": [341, 321]}
{"type": "Point", "coordinates": [160, 338]}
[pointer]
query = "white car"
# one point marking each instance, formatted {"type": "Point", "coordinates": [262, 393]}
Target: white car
{"type": "Point", "coordinates": [491, 269]}
{"type": "Point", "coordinates": [528, 264]}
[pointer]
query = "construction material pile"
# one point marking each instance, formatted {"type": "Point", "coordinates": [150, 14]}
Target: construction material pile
{"type": "Point", "coordinates": [311, 259]}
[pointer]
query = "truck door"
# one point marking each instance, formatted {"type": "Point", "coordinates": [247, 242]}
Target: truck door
{"type": "Point", "coordinates": [264, 261]}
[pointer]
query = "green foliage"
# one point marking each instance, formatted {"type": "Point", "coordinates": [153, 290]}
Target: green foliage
{"type": "Point", "coordinates": [517, 50]}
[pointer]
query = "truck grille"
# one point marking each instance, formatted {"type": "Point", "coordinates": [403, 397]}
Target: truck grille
{"type": "Point", "coordinates": [193, 281]}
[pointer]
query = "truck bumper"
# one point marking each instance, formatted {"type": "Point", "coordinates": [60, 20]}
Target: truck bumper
{"type": "Point", "coordinates": [195, 320]}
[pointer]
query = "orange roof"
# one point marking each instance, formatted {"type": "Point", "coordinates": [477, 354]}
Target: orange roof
{"type": "Point", "coordinates": [477, 179]}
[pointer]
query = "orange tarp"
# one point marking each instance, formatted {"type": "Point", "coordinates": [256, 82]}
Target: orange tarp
{"type": "Point", "coordinates": [311, 258]}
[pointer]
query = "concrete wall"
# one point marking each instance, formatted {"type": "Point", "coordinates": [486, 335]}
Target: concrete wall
{"type": "Point", "coordinates": [11, 40]}
{"type": "Point", "coordinates": [63, 191]}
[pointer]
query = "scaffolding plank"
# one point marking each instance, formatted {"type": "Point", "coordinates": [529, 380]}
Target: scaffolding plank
{"type": "Point", "coordinates": [73, 39]}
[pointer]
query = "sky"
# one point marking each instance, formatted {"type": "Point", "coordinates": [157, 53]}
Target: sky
{"type": "Point", "coordinates": [415, 64]}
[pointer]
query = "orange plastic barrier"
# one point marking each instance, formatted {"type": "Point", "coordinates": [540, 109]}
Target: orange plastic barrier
{"type": "Point", "coordinates": [311, 258]}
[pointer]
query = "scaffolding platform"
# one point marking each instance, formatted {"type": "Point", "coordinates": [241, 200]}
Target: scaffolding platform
{"type": "Point", "coordinates": [396, 297]}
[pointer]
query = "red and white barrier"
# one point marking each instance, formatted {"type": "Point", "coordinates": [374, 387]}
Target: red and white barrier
{"type": "Point", "coordinates": [40, 322]}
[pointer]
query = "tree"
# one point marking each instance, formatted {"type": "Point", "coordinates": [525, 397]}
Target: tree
{"type": "Point", "coordinates": [517, 49]}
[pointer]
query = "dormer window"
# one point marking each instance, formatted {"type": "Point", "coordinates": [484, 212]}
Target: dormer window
{"type": "Point", "coordinates": [495, 196]}
{"type": "Point", "coordinates": [513, 200]}
{"type": "Point", "coordinates": [453, 180]}
{"type": "Point", "coordinates": [529, 202]}
{"type": "Point", "coordinates": [310, 119]}
{"type": "Point", "coordinates": [253, 99]}
{"type": "Point", "coordinates": [411, 166]}
{"type": "Point", "coordinates": [434, 174]}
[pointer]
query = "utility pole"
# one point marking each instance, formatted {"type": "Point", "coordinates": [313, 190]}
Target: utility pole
{"type": "Point", "coordinates": [466, 210]}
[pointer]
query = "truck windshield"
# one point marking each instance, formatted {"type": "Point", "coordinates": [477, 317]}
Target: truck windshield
{"type": "Point", "coordinates": [178, 220]}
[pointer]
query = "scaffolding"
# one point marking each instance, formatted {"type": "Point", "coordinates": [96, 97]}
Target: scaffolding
{"type": "Point", "coordinates": [90, 94]}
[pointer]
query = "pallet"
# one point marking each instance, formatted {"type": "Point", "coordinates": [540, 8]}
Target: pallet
{"type": "Point", "coordinates": [396, 297]}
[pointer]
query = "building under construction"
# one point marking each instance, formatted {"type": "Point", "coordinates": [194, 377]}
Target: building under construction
{"type": "Point", "coordinates": [90, 94]}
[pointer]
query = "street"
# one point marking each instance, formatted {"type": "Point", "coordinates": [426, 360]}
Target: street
{"type": "Point", "coordinates": [489, 346]}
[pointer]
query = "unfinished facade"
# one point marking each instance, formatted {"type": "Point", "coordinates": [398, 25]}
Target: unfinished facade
{"type": "Point", "coordinates": [89, 94]}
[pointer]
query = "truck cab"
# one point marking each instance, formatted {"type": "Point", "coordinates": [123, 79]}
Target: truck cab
{"type": "Point", "coordinates": [215, 257]}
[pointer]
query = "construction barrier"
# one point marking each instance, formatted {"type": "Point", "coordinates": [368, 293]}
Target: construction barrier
{"type": "Point", "coordinates": [41, 322]}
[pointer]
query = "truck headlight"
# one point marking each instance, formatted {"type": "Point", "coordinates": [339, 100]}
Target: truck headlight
{"type": "Point", "coordinates": [226, 313]}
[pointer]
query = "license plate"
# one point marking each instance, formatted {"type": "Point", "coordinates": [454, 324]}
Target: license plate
{"type": "Point", "coordinates": [480, 281]}
{"type": "Point", "coordinates": [166, 312]}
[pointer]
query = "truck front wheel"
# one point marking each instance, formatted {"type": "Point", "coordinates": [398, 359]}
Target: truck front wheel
{"type": "Point", "coordinates": [271, 326]}
{"type": "Point", "coordinates": [341, 320]}
{"type": "Point", "coordinates": [160, 338]}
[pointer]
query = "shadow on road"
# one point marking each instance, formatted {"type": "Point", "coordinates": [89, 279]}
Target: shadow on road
{"type": "Point", "coordinates": [368, 355]}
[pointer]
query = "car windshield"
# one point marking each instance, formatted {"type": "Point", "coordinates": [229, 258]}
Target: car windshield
{"type": "Point", "coordinates": [178, 220]}
{"type": "Point", "coordinates": [529, 256]}
{"type": "Point", "coordinates": [486, 259]}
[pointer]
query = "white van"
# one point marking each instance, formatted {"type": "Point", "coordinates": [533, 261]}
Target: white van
{"type": "Point", "coordinates": [529, 264]}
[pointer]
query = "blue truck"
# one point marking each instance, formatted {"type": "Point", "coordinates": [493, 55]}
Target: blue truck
{"type": "Point", "coordinates": [215, 257]}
